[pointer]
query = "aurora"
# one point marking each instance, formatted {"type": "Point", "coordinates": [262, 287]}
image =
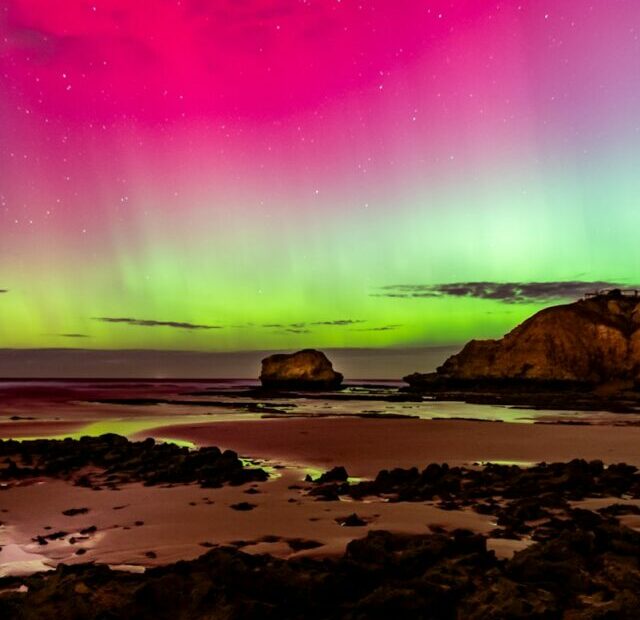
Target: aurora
{"type": "Point", "coordinates": [228, 176]}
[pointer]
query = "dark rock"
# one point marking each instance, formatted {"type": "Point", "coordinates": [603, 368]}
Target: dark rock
{"type": "Point", "coordinates": [243, 506]}
{"type": "Point", "coordinates": [302, 544]}
{"type": "Point", "coordinates": [581, 573]}
{"type": "Point", "coordinates": [120, 461]}
{"type": "Point", "coordinates": [271, 538]}
{"type": "Point", "coordinates": [618, 510]}
{"type": "Point", "coordinates": [92, 529]}
{"type": "Point", "coordinates": [353, 520]}
{"type": "Point", "coordinates": [337, 474]}
{"type": "Point", "coordinates": [328, 492]}
{"type": "Point", "coordinates": [72, 512]}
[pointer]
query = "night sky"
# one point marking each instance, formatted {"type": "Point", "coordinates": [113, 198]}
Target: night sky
{"type": "Point", "coordinates": [271, 174]}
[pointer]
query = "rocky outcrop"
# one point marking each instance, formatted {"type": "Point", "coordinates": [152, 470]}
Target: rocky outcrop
{"type": "Point", "coordinates": [307, 369]}
{"type": "Point", "coordinates": [590, 342]}
{"type": "Point", "coordinates": [586, 571]}
{"type": "Point", "coordinates": [582, 564]}
{"type": "Point", "coordinates": [109, 461]}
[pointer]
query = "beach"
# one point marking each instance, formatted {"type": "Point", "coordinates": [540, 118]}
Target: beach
{"type": "Point", "coordinates": [137, 526]}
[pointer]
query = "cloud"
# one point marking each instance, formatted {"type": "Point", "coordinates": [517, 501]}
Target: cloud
{"type": "Point", "coordinates": [339, 322]}
{"type": "Point", "coordinates": [294, 330]}
{"type": "Point", "coordinates": [507, 292]}
{"type": "Point", "coordinates": [381, 328]}
{"type": "Point", "coordinates": [333, 323]}
{"type": "Point", "coordinates": [152, 323]}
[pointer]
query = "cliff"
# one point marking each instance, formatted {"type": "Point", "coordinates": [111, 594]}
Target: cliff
{"type": "Point", "coordinates": [592, 341]}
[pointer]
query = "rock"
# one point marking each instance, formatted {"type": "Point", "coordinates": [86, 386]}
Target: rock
{"type": "Point", "coordinates": [81, 588]}
{"type": "Point", "coordinates": [119, 461]}
{"type": "Point", "coordinates": [583, 572]}
{"type": "Point", "coordinates": [619, 510]}
{"type": "Point", "coordinates": [72, 512]}
{"type": "Point", "coordinates": [337, 474]}
{"type": "Point", "coordinates": [329, 492]}
{"type": "Point", "coordinates": [506, 599]}
{"type": "Point", "coordinates": [243, 506]}
{"type": "Point", "coordinates": [353, 520]}
{"type": "Point", "coordinates": [302, 544]}
{"type": "Point", "coordinates": [308, 369]}
{"type": "Point", "coordinates": [92, 529]}
{"type": "Point", "coordinates": [591, 342]}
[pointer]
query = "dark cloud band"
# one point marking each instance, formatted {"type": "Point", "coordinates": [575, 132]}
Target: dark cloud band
{"type": "Point", "coordinates": [381, 328]}
{"type": "Point", "coordinates": [507, 292]}
{"type": "Point", "coordinates": [153, 323]}
{"type": "Point", "coordinates": [304, 326]}
{"type": "Point", "coordinates": [339, 322]}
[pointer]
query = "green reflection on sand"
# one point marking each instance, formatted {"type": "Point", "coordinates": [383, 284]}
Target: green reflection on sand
{"type": "Point", "coordinates": [313, 472]}
{"type": "Point", "coordinates": [182, 443]}
{"type": "Point", "coordinates": [510, 463]}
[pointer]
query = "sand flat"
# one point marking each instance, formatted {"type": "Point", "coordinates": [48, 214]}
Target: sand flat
{"type": "Point", "coordinates": [39, 428]}
{"type": "Point", "coordinates": [173, 522]}
{"type": "Point", "coordinates": [364, 446]}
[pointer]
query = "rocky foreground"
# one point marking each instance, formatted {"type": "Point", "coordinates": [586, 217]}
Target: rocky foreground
{"type": "Point", "coordinates": [110, 460]}
{"type": "Point", "coordinates": [588, 571]}
{"type": "Point", "coordinates": [581, 563]}
{"type": "Point", "coordinates": [533, 502]}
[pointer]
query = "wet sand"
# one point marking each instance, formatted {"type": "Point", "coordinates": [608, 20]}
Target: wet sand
{"type": "Point", "coordinates": [37, 428]}
{"type": "Point", "coordinates": [365, 446]}
{"type": "Point", "coordinates": [139, 526]}
{"type": "Point", "coordinates": [172, 523]}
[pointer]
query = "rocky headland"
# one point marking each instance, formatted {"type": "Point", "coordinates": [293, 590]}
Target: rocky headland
{"type": "Point", "coordinates": [586, 354]}
{"type": "Point", "coordinates": [304, 370]}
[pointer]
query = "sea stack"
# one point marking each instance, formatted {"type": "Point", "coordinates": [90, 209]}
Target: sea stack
{"type": "Point", "coordinates": [593, 341]}
{"type": "Point", "coordinates": [307, 369]}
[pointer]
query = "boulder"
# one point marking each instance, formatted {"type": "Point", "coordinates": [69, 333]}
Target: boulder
{"type": "Point", "coordinates": [307, 369]}
{"type": "Point", "coordinates": [593, 341]}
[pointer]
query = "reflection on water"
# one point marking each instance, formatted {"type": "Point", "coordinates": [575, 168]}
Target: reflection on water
{"type": "Point", "coordinates": [18, 561]}
{"type": "Point", "coordinates": [74, 408]}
